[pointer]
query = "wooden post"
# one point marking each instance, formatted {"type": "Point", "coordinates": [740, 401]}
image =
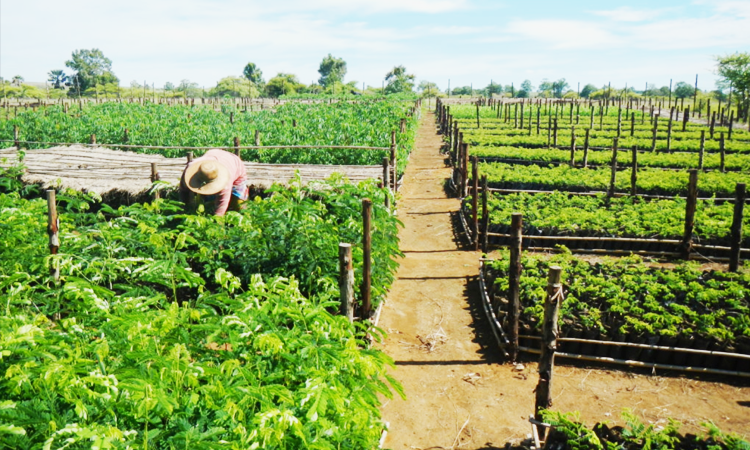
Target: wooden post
{"type": "Point", "coordinates": [394, 167]}
{"type": "Point", "coordinates": [93, 139]}
{"type": "Point", "coordinates": [479, 125]}
{"type": "Point", "coordinates": [632, 124]}
{"type": "Point", "coordinates": [367, 255]}
{"type": "Point", "coordinates": [53, 230]}
{"type": "Point", "coordinates": [15, 138]}
{"type": "Point", "coordinates": [619, 122]}
{"type": "Point", "coordinates": [613, 174]}
{"type": "Point", "coordinates": [237, 146]}
{"type": "Point", "coordinates": [685, 117]}
{"type": "Point", "coordinates": [346, 281]}
{"type": "Point", "coordinates": [586, 149]}
{"type": "Point", "coordinates": [653, 137]}
{"type": "Point", "coordinates": [702, 150]}
{"type": "Point", "coordinates": [402, 126]}
{"type": "Point", "coordinates": [712, 125]}
{"type": "Point", "coordinates": [231, 117]}
{"type": "Point", "coordinates": [739, 206]}
{"type": "Point", "coordinates": [485, 215]}
{"type": "Point", "coordinates": [572, 146]}
{"type": "Point", "coordinates": [521, 124]}
{"type": "Point", "coordinates": [125, 137]}
{"type": "Point", "coordinates": [475, 201]}
{"type": "Point", "coordinates": [692, 202]}
{"type": "Point", "coordinates": [538, 117]}
{"type": "Point", "coordinates": [155, 177]}
{"type": "Point", "coordinates": [722, 153]}
{"type": "Point", "coordinates": [554, 139]}
{"type": "Point", "coordinates": [634, 173]}
{"type": "Point", "coordinates": [257, 138]}
{"type": "Point", "coordinates": [731, 121]}
{"type": "Point", "coordinates": [464, 168]}
{"type": "Point", "coordinates": [669, 133]}
{"type": "Point", "coordinates": [549, 342]}
{"type": "Point", "coordinates": [514, 283]}
{"type": "Point", "coordinates": [549, 131]}
{"type": "Point", "coordinates": [387, 180]}
{"type": "Point", "coordinates": [294, 123]}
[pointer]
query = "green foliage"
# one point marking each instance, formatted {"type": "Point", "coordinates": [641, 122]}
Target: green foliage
{"type": "Point", "coordinates": [619, 296]}
{"type": "Point", "coordinates": [570, 433]}
{"type": "Point", "coordinates": [179, 331]}
{"type": "Point", "coordinates": [253, 74]}
{"type": "Point", "coordinates": [234, 87]}
{"type": "Point", "coordinates": [91, 68]}
{"type": "Point", "coordinates": [283, 84]}
{"type": "Point", "coordinates": [332, 70]}
{"type": "Point", "coordinates": [398, 81]}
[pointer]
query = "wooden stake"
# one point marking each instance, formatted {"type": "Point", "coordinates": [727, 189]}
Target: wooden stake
{"type": "Point", "coordinates": [613, 174]}
{"type": "Point", "coordinates": [346, 281]}
{"type": "Point", "coordinates": [479, 125]}
{"type": "Point", "coordinates": [572, 146]}
{"type": "Point", "coordinates": [367, 261]}
{"type": "Point", "coordinates": [125, 137]}
{"type": "Point", "coordinates": [739, 206]}
{"type": "Point", "coordinates": [722, 152]}
{"type": "Point", "coordinates": [685, 117]}
{"type": "Point", "coordinates": [237, 146]}
{"type": "Point", "coordinates": [155, 177]}
{"type": "Point", "coordinates": [549, 342]}
{"type": "Point", "coordinates": [690, 206]}
{"type": "Point", "coordinates": [93, 139]}
{"type": "Point", "coordinates": [634, 173]}
{"type": "Point", "coordinates": [387, 180]}
{"type": "Point", "coordinates": [464, 168]}
{"type": "Point", "coordinates": [702, 150]}
{"type": "Point", "coordinates": [475, 201]}
{"type": "Point", "coordinates": [653, 136]}
{"type": "Point", "coordinates": [53, 230]}
{"type": "Point", "coordinates": [394, 167]}
{"type": "Point", "coordinates": [485, 215]}
{"type": "Point", "coordinates": [586, 149]}
{"type": "Point", "coordinates": [257, 138]}
{"type": "Point", "coordinates": [731, 121]}
{"type": "Point", "coordinates": [15, 138]}
{"type": "Point", "coordinates": [632, 124]}
{"type": "Point", "coordinates": [554, 139]}
{"type": "Point", "coordinates": [514, 283]}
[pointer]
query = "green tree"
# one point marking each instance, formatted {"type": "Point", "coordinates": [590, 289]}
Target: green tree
{"type": "Point", "coordinates": [191, 89]}
{"type": "Point", "coordinates": [332, 70]}
{"type": "Point", "coordinates": [92, 68]}
{"type": "Point", "coordinates": [17, 80]}
{"type": "Point", "coordinates": [253, 74]}
{"type": "Point", "coordinates": [493, 88]}
{"type": "Point", "coordinates": [559, 87]}
{"type": "Point", "coordinates": [588, 90]}
{"type": "Point", "coordinates": [526, 89]}
{"type": "Point", "coordinates": [399, 81]}
{"type": "Point", "coordinates": [683, 90]}
{"type": "Point", "coordinates": [168, 86]}
{"type": "Point", "coordinates": [428, 89]}
{"type": "Point", "coordinates": [283, 84]}
{"type": "Point", "coordinates": [232, 87]}
{"type": "Point", "coordinates": [735, 69]}
{"type": "Point", "coordinates": [57, 78]}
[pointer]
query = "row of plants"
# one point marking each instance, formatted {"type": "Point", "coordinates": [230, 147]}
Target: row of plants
{"type": "Point", "coordinates": [569, 433]}
{"type": "Point", "coordinates": [170, 330]}
{"type": "Point", "coordinates": [366, 123]}
{"type": "Point", "coordinates": [604, 157]}
{"type": "Point", "coordinates": [628, 299]}
{"type": "Point", "coordinates": [566, 178]}
{"type": "Point", "coordinates": [560, 214]}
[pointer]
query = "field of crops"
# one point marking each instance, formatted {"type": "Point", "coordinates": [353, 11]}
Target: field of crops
{"type": "Point", "coordinates": [625, 299]}
{"type": "Point", "coordinates": [365, 123]}
{"type": "Point", "coordinates": [168, 330]}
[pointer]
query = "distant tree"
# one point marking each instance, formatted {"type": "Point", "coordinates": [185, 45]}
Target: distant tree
{"type": "Point", "coordinates": [545, 88]}
{"type": "Point", "coordinates": [683, 90]}
{"type": "Point", "coordinates": [253, 74]}
{"type": "Point", "coordinates": [92, 68]}
{"type": "Point", "coordinates": [428, 89]}
{"type": "Point", "coordinates": [735, 69]}
{"type": "Point", "coordinates": [399, 81]}
{"type": "Point", "coordinates": [231, 87]}
{"type": "Point", "coordinates": [493, 88]}
{"type": "Point", "coordinates": [587, 90]}
{"type": "Point", "coordinates": [526, 89]}
{"type": "Point", "coordinates": [283, 84]}
{"type": "Point", "coordinates": [190, 89]}
{"type": "Point", "coordinates": [332, 70]}
{"type": "Point", "coordinates": [57, 78]}
{"type": "Point", "coordinates": [461, 90]}
{"type": "Point", "coordinates": [17, 80]}
{"type": "Point", "coordinates": [559, 87]}
{"type": "Point", "coordinates": [168, 86]}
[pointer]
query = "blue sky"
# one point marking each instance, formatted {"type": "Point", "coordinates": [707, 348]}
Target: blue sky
{"type": "Point", "coordinates": [466, 41]}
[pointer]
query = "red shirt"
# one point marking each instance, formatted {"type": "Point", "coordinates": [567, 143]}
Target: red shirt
{"type": "Point", "coordinates": [237, 175]}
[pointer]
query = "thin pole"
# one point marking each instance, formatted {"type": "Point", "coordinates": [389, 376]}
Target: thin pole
{"type": "Point", "coordinates": [346, 281]}
{"type": "Point", "coordinates": [367, 258]}
{"type": "Point", "coordinates": [549, 342]}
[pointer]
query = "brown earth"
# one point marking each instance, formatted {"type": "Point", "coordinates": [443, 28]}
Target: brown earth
{"type": "Point", "coordinates": [459, 392]}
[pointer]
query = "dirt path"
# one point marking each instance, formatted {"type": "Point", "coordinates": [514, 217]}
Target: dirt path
{"type": "Point", "coordinates": [458, 393]}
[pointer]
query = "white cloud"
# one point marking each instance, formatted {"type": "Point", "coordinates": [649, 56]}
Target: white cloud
{"type": "Point", "coordinates": [562, 34]}
{"type": "Point", "coordinates": [628, 14]}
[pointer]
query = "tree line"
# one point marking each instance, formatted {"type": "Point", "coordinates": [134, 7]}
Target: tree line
{"type": "Point", "coordinates": [89, 74]}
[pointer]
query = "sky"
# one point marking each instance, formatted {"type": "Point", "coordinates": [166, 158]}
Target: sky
{"type": "Point", "coordinates": [456, 42]}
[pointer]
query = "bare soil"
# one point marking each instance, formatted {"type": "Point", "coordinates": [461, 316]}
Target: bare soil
{"type": "Point", "coordinates": [459, 392]}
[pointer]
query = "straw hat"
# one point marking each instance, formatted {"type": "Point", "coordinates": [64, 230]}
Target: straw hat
{"type": "Point", "coordinates": [206, 177]}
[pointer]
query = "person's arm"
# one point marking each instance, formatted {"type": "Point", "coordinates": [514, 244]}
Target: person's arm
{"type": "Point", "coordinates": [222, 201]}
